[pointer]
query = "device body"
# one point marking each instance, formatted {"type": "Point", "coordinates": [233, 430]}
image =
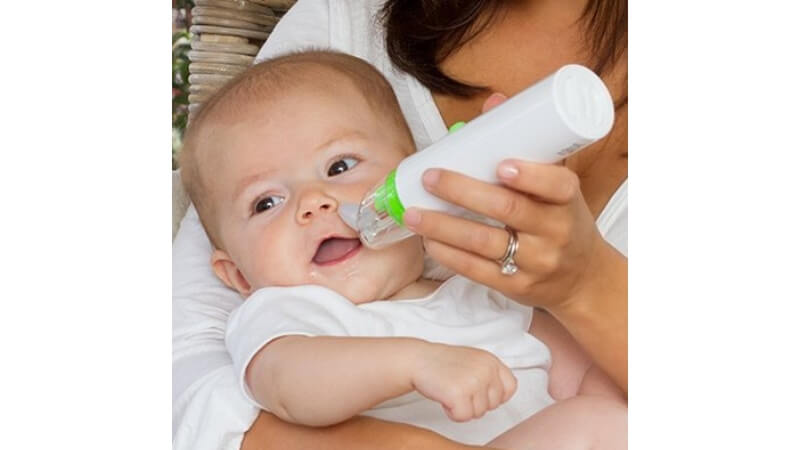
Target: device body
{"type": "Point", "coordinates": [544, 123]}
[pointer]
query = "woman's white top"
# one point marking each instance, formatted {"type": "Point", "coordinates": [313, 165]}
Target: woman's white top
{"type": "Point", "coordinates": [209, 410]}
{"type": "Point", "coordinates": [459, 312]}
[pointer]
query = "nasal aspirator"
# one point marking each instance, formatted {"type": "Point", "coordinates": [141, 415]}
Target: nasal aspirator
{"type": "Point", "coordinates": [544, 123]}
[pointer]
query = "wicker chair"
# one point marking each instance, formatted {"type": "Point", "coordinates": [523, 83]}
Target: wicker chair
{"type": "Point", "coordinates": [226, 37]}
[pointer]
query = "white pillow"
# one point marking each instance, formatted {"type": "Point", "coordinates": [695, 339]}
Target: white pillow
{"type": "Point", "coordinates": [201, 366]}
{"type": "Point", "coordinates": [180, 202]}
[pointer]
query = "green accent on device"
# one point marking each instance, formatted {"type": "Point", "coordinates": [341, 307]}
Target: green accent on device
{"type": "Point", "coordinates": [456, 126]}
{"type": "Point", "coordinates": [380, 193]}
{"type": "Point", "coordinates": [386, 199]}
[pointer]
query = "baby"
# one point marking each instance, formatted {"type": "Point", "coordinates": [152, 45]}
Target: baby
{"type": "Point", "coordinates": [331, 329]}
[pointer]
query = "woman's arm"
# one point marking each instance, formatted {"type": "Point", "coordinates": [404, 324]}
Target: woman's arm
{"type": "Point", "coordinates": [597, 314]}
{"type": "Point", "coordinates": [572, 371]}
{"type": "Point", "coordinates": [359, 433]}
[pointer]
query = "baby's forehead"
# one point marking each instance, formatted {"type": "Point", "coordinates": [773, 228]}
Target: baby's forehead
{"type": "Point", "coordinates": [299, 101]}
{"type": "Point", "coordinates": [254, 136]}
{"type": "Point", "coordinates": [318, 106]}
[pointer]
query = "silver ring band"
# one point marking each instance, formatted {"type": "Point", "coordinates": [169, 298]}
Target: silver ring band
{"type": "Point", "coordinates": [507, 264]}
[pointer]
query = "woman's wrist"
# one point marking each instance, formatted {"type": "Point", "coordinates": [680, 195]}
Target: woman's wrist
{"type": "Point", "coordinates": [606, 274]}
{"type": "Point", "coordinates": [596, 313]}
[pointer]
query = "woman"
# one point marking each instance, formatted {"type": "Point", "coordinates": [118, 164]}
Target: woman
{"type": "Point", "coordinates": [452, 55]}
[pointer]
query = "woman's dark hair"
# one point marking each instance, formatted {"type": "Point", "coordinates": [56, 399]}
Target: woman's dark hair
{"type": "Point", "coordinates": [420, 34]}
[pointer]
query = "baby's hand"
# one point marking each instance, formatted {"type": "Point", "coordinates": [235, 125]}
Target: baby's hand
{"type": "Point", "coordinates": [466, 381]}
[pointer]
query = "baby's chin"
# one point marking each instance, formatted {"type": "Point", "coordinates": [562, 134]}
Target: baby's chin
{"type": "Point", "coordinates": [375, 276]}
{"type": "Point", "coordinates": [365, 291]}
{"type": "Point", "coordinates": [359, 293]}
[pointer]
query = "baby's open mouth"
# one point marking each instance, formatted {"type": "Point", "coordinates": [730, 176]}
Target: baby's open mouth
{"type": "Point", "coordinates": [336, 249]}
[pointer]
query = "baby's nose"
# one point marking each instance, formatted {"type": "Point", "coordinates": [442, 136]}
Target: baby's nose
{"type": "Point", "coordinates": [315, 204]}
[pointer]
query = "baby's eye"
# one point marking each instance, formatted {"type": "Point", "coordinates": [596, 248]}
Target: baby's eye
{"type": "Point", "coordinates": [267, 203]}
{"type": "Point", "coordinates": [342, 165]}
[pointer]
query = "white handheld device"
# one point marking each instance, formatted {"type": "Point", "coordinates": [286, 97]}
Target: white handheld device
{"type": "Point", "coordinates": [544, 123]}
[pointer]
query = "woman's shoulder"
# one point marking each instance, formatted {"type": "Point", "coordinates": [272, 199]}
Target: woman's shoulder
{"type": "Point", "coordinates": [349, 26]}
{"type": "Point", "coordinates": [305, 25]}
{"type": "Point", "coordinates": [613, 220]}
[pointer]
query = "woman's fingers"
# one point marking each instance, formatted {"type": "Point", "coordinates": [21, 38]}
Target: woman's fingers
{"type": "Point", "coordinates": [478, 268]}
{"type": "Point", "coordinates": [492, 101]}
{"type": "Point", "coordinates": [474, 267]}
{"type": "Point", "coordinates": [535, 261]}
{"type": "Point", "coordinates": [449, 239]}
{"type": "Point", "coordinates": [480, 239]}
{"type": "Point", "coordinates": [549, 183]}
{"type": "Point", "coordinates": [510, 207]}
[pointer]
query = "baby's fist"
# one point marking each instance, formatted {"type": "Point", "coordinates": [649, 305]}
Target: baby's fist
{"type": "Point", "coordinates": [466, 381]}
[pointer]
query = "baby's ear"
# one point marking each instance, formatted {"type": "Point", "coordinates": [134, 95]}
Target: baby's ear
{"type": "Point", "coordinates": [227, 271]}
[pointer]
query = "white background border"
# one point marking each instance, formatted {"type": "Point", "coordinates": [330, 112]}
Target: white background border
{"type": "Point", "coordinates": [84, 184]}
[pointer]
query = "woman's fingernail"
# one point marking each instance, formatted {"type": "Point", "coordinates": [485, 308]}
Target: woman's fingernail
{"type": "Point", "coordinates": [507, 171]}
{"type": "Point", "coordinates": [430, 177]}
{"type": "Point", "coordinates": [496, 97]}
{"type": "Point", "coordinates": [412, 217]}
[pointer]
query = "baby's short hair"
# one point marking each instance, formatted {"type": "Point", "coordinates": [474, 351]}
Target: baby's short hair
{"type": "Point", "coordinates": [261, 82]}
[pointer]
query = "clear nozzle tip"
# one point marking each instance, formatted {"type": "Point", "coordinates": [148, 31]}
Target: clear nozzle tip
{"type": "Point", "coordinates": [378, 218]}
{"type": "Point", "coordinates": [349, 214]}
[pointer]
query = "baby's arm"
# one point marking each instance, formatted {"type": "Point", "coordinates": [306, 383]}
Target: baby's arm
{"type": "Point", "coordinates": [590, 410]}
{"type": "Point", "coordinates": [321, 381]}
{"type": "Point", "coordinates": [583, 422]}
{"type": "Point", "coordinates": [571, 372]}
{"type": "Point", "coordinates": [324, 380]}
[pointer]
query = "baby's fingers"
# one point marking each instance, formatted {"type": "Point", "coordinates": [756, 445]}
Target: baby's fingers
{"type": "Point", "coordinates": [480, 403]}
{"type": "Point", "coordinates": [509, 383]}
{"type": "Point", "coordinates": [495, 395]}
{"type": "Point", "coordinates": [461, 409]}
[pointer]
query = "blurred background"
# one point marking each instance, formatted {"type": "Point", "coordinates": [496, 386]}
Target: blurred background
{"type": "Point", "coordinates": [181, 20]}
{"type": "Point", "coordinates": [213, 41]}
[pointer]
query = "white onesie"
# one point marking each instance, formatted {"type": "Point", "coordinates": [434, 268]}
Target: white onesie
{"type": "Point", "coordinates": [459, 312]}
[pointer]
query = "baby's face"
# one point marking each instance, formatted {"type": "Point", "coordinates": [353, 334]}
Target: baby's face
{"type": "Point", "coordinates": [277, 187]}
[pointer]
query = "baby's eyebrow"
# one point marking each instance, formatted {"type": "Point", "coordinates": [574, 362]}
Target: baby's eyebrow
{"type": "Point", "coordinates": [247, 181]}
{"type": "Point", "coordinates": [346, 135]}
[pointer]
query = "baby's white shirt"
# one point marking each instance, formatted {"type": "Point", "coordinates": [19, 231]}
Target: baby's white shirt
{"type": "Point", "coordinates": [459, 312]}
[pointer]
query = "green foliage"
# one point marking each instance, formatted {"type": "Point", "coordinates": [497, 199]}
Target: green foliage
{"type": "Point", "coordinates": [180, 80]}
{"type": "Point", "coordinates": [180, 88]}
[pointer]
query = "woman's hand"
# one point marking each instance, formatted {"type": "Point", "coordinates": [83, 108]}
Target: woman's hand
{"type": "Point", "coordinates": [543, 203]}
{"type": "Point", "coordinates": [558, 239]}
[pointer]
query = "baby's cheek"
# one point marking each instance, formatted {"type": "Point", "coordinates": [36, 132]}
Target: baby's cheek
{"type": "Point", "coordinates": [413, 257]}
{"type": "Point", "coordinates": [271, 270]}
